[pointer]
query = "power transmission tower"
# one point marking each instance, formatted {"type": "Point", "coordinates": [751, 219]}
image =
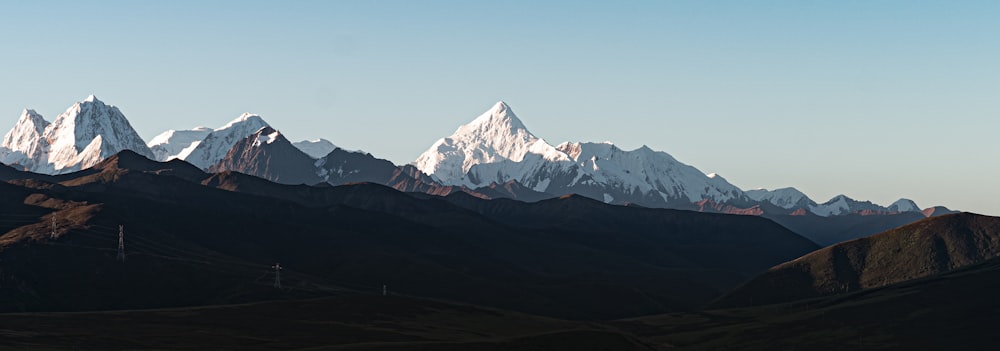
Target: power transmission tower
{"type": "Point", "coordinates": [121, 242]}
{"type": "Point", "coordinates": [277, 275]}
{"type": "Point", "coordinates": [53, 236]}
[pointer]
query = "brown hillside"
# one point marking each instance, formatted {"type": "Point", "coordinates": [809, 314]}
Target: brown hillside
{"type": "Point", "coordinates": [931, 246]}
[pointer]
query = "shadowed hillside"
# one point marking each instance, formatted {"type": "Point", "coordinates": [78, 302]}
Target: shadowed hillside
{"type": "Point", "coordinates": [199, 239]}
{"type": "Point", "coordinates": [951, 311]}
{"type": "Point", "coordinates": [931, 246]}
{"type": "Point", "coordinates": [353, 322]}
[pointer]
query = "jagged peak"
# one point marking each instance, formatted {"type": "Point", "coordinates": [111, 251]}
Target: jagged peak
{"type": "Point", "coordinates": [91, 103]}
{"type": "Point", "coordinates": [91, 100]}
{"type": "Point", "coordinates": [30, 113]}
{"type": "Point", "coordinates": [500, 116]}
{"type": "Point", "coordinates": [266, 135]}
{"type": "Point", "coordinates": [243, 118]}
{"type": "Point", "coordinates": [267, 130]}
{"type": "Point", "coordinates": [500, 105]}
{"type": "Point", "coordinates": [34, 118]}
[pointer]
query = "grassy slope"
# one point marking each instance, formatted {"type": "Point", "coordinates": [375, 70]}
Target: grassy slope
{"type": "Point", "coordinates": [956, 310]}
{"type": "Point", "coordinates": [931, 246]}
{"type": "Point", "coordinates": [354, 322]}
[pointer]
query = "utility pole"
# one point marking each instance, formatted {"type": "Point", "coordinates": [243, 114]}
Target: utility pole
{"type": "Point", "coordinates": [53, 236]}
{"type": "Point", "coordinates": [277, 275]}
{"type": "Point", "coordinates": [121, 242]}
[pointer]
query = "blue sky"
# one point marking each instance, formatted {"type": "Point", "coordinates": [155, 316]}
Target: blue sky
{"type": "Point", "coordinates": [874, 99]}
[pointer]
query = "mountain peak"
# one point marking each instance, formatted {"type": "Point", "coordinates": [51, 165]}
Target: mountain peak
{"type": "Point", "coordinates": [266, 135]}
{"type": "Point", "coordinates": [86, 133]}
{"type": "Point", "coordinates": [177, 143]}
{"type": "Point", "coordinates": [904, 205]}
{"type": "Point", "coordinates": [33, 119]}
{"type": "Point", "coordinates": [496, 137]}
{"type": "Point", "coordinates": [30, 113]}
{"type": "Point", "coordinates": [245, 117]}
{"type": "Point", "coordinates": [787, 198]}
{"type": "Point", "coordinates": [317, 148]}
{"type": "Point", "coordinates": [267, 154]}
{"type": "Point", "coordinates": [499, 117]}
{"type": "Point", "coordinates": [214, 146]}
{"type": "Point", "coordinates": [501, 105]}
{"type": "Point", "coordinates": [840, 197]}
{"type": "Point", "coordinates": [24, 144]}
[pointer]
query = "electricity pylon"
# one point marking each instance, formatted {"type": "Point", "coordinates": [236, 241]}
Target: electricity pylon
{"type": "Point", "coordinates": [277, 275]}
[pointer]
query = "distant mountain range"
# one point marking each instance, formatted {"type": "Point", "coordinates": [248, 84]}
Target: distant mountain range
{"type": "Point", "coordinates": [493, 156]}
{"type": "Point", "coordinates": [489, 219]}
{"type": "Point", "coordinates": [196, 238]}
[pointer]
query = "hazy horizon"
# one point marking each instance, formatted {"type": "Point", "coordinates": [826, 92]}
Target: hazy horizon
{"type": "Point", "coordinates": [874, 100]}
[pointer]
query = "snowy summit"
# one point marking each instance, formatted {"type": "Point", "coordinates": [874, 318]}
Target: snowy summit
{"type": "Point", "coordinates": [496, 147]}
{"type": "Point", "coordinates": [83, 135]}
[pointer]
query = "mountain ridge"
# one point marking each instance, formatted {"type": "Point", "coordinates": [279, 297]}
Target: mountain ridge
{"type": "Point", "coordinates": [930, 246]}
{"type": "Point", "coordinates": [493, 149]}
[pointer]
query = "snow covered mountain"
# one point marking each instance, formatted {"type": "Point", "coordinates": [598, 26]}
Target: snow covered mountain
{"type": "Point", "coordinates": [214, 147]}
{"type": "Point", "coordinates": [317, 148]}
{"type": "Point", "coordinates": [494, 141]}
{"type": "Point", "coordinates": [644, 171]}
{"type": "Point", "coordinates": [793, 199]}
{"type": "Point", "coordinates": [172, 143]}
{"type": "Point", "coordinates": [24, 144]}
{"type": "Point", "coordinates": [268, 154]}
{"type": "Point", "coordinates": [83, 135]}
{"type": "Point", "coordinates": [493, 154]}
{"type": "Point", "coordinates": [496, 148]}
{"type": "Point", "coordinates": [841, 205]}
{"type": "Point", "coordinates": [904, 205]}
{"type": "Point", "coordinates": [787, 198]}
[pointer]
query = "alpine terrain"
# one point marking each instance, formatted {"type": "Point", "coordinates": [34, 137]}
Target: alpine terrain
{"type": "Point", "coordinates": [83, 135]}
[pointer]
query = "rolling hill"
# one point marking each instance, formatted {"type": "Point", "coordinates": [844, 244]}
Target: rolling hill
{"type": "Point", "coordinates": [928, 247]}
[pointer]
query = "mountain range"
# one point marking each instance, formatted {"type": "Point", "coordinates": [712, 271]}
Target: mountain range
{"type": "Point", "coordinates": [207, 230]}
{"type": "Point", "coordinates": [493, 156]}
{"type": "Point", "coordinates": [493, 239]}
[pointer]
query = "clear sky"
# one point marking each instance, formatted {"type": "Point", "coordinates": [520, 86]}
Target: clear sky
{"type": "Point", "coordinates": [873, 99]}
